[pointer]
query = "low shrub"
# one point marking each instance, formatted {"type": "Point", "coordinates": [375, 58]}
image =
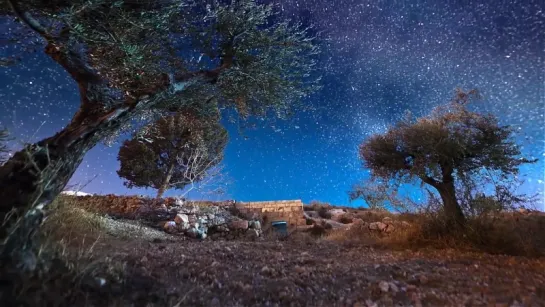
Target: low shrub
{"type": "Point", "coordinates": [324, 213]}
{"type": "Point", "coordinates": [346, 219]}
{"type": "Point", "coordinates": [318, 230]}
{"type": "Point", "coordinates": [506, 233]}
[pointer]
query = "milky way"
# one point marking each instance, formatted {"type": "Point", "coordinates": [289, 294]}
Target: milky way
{"type": "Point", "coordinates": [380, 58]}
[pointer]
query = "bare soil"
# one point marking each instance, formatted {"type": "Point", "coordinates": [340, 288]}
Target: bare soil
{"type": "Point", "coordinates": [308, 272]}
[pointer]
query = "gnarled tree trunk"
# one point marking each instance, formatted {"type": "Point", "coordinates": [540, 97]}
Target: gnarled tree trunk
{"type": "Point", "coordinates": [453, 211]}
{"type": "Point", "coordinates": [166, 182]}
{"type": "Point", "coordinates": [447, 191]}
{"type": "Point", "coordinates": [34, 176]}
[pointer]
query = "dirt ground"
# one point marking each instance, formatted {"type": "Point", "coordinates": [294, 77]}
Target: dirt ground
{"type": "Point", "coordinates": [111, 262]}
{"type": "Point", "coordinates": [309, 272]}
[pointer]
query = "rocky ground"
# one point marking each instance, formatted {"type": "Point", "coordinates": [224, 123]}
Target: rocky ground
{"type": "Point", "coordinates": [139, 261]}
{"type": "Point", "coordinates": [308, 272]}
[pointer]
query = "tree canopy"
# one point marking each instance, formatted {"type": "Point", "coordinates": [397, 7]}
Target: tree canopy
{"type": "Point", "coordinates": [450, 143]}
{"type": "Point", "coordinates": [240, 53]}
{"type": "Point", "coordinates": [173, 152]}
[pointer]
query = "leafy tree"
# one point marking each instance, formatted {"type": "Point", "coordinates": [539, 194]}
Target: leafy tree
{"type": "Point", "coordinates": [137, 60]}
{"type": "Point", "coordinates": [172, 153]}
{"type": "Point", "coordinates": [452, 142]}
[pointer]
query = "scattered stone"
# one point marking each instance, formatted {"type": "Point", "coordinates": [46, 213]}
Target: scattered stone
{"type": "Point", "coordinates": [299, 269]}
{"type": "Point", "coordinates": [238, 225]}
{"type": "Point", "coordinates": [383, 286]}
{"type": "Point", "coordinates": [192, 232]}
{"type": "Point", "coordinates": [393, 287]}
{"type": "Point", "coordinates": [390, 228]}
{"type": "Point", "coordinates": [252, 233]}
{"type": "Point", "coordinates": [170, 226]}
{"type": "Point", "coordinates": [265, 269]}
{"type": "Point", "coordinates": [370, 303]}
{"type": "Point", "coordinates": [181, 218]}
{"type": "Point", "coordinates": [423, 279]}
{"type": "Point", "coordinates": [380, 226]}
{"type": "Point", "coordinates": [336, 212]}
{"type": "Point", "coordinates": [255, 225]}
{"type": "Point", "coordinates": [184, 226]}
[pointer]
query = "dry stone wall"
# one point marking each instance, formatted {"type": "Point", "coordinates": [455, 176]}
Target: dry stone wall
{"type": "Point", "coordinates": [290, 211]}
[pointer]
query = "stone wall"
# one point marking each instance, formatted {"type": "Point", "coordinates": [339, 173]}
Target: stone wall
{"type": "Point", "coordinates": [290, 211]}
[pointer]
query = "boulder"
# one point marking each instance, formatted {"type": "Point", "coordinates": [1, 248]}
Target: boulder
{"type": "Point", "coordinates": [337, 212]}
{"type": "Point", "coordinates": [217, 220]}
{"type": "Point", "coordinates": [380, 226]}
{"type": "Point", "coordinates": [255, 225]}
{"type": "Point", "coordinates": [170, 226]}
{"type": "Point", "coordinates": [390, 228]}
{"type": "Point", "coordinates": [181, 218]}
{"type": "Point", "coordinates": [238, 225]}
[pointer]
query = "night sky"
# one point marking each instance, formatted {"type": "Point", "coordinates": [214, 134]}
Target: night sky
{"type": "Point", "coordinates": [380, 59]}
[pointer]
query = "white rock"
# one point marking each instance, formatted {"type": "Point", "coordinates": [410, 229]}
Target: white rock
{"type": "Point", "coordinates": [336, 211]}
{"type": "Point", "coordinates": [181, 218]}
{"type": "Point", "coordinates": [384, 286]}
{"type": "Point", "coordinates": [184, 226]}
{"type": "Point", "coordinates": [393, 287]}
{"type": "Point", "coordinates": [255, 225]}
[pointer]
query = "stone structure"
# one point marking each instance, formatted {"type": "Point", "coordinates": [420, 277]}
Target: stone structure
{"type": "Point", "coordinates": [290, 211]}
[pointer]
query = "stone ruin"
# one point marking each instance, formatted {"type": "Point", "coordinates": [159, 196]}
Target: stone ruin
{"type": "Point", "coordinates": [198, 219]}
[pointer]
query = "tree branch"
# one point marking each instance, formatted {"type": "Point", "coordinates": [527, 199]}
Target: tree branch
{"type": "Point", "coordinates": [429, 180]}
{"type": "Point", "coordinates": [30, 21]}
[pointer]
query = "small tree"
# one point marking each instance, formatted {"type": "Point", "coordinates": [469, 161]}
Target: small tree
{"type": "Point", "coordinates": [172, 153]}
{"type": "Point", "coordinates": [452, 142]}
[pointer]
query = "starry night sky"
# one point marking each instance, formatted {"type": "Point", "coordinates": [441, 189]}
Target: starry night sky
{"type": "Point", "coordinates": [380, 59]}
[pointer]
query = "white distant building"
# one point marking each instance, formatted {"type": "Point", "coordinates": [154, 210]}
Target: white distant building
{"type": "Point", "coordinates": [75, 193]}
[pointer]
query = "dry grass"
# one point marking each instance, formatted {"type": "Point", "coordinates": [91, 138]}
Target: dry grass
{"type": "Point", "coordinates": [67, 220]}
{"type": "Point", "coordinates": [74, 270]}
{"type": "Point", "coordinates": [510, 234]}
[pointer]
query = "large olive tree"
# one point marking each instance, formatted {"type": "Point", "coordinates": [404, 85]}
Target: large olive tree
{"type": "Point", "coordinates": [138, 59]}
{"type": "Point", "coordinates": [452, 143]}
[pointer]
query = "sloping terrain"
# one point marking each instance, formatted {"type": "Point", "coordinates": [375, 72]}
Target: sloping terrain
{"type": "Point", "coordinates": [120, 262]}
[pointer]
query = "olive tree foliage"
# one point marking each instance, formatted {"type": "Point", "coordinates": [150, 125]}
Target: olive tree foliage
{"type": "Point", "coordinates": [172, 153]}
{"type": "Point", "coordinates": [448, 150]}
{"type": "Point", "coordinates": [136, 60]}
